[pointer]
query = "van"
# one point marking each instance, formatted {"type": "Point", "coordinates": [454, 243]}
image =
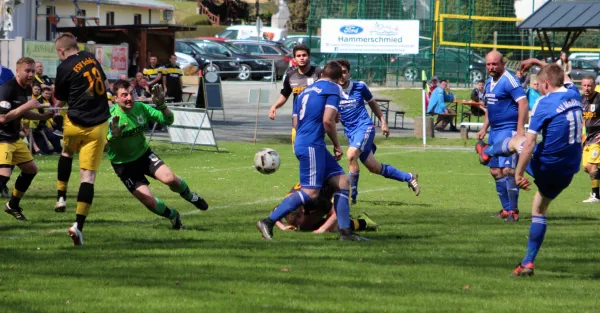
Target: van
{"type": "Point", "coordinates": [249, 31]}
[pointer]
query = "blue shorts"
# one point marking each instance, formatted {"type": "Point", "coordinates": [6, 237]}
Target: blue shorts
{"type": "Point", "coordinates": [497, 136]}
{"type": "Point", "coordinates": [362, 139]}
{"type": "Point", "coordinates": [317, 166]}
{"type": "Point", "coordinates": [550, 184]}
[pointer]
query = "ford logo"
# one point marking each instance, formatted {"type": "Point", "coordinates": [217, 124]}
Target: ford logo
{"type": "Point", "coordinates": [351, 29]}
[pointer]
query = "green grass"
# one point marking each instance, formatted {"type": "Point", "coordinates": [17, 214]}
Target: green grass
{"type": "Point", "coordinates": [439, 252]}
{"type": "Point", "coordinates": [409, 100]}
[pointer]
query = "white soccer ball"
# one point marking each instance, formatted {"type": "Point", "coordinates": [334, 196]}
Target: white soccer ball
{"type": "Point", "coordinates": [266, 161]}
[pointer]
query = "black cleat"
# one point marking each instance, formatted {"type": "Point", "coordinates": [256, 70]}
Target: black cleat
{"type": "Point", "coordinates": [348, 234]}
{"type": "Point", "coordinates": [413, 184]}
{"type": "Point", "coordinates": [265, 229]}
{"type": "Point", "coordinates": [199, 202]}
{"type": "Point", "coordinates": [512, 217]}
{"type": "Point", "coordinates": [16, 213]}
{"type": "Point", "coordinates": [176, 222]}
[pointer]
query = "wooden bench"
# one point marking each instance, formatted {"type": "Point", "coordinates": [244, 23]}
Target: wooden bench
{"type": "Point", "coordinates": [401, 115]}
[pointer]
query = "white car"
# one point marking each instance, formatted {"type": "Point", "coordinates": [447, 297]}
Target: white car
{"type": "Point", "coordinates": [184, 60]}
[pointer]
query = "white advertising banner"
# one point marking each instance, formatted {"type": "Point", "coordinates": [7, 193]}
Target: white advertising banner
{"type": "Point", "coordinates": [370, 36]}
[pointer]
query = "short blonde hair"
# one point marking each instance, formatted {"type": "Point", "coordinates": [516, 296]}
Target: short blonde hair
{"type": "Point", "coordinates": [66, 41]}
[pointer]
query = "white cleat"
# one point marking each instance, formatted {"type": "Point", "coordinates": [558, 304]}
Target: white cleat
{"type": "Point", "coordinates": [76, 235]}
{"type": "Point", "coordinates": [61, 205]}
{"type": "Point", "coordinates": [592, 199]}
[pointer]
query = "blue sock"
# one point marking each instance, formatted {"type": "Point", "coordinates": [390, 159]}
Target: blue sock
{"type": "Point", "coordinates": [389, 171]}
{"type": "Point", "coordinates": [503, 193]}
{"type": "Point", "coordinates": [499, 149]}
{"type": "Point", "coordinates": [513, 193]}
{"type": "Point", "coordinates": [342, 208]}
{"type": "Point", "coordinates": [537, 231]}
{"type": "Point", "coordinates": [353, 179]}
{"type": "Point", "coordinates": [290, 204]}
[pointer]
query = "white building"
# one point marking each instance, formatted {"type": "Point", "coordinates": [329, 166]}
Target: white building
{"type": "Point", "coordinates": [107, 12]}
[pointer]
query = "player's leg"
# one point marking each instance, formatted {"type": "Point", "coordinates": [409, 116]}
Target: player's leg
{"type": "Point", "coordinates": [71, 144]}
{"type": "Point", "coordinates": [359, 143]}
{"type": "Point", "coordinates": [353, 154]}
{"type": "Point", "coordinates": [16, 153]}
{"type": "Point", "coordinates": [391, 172]}
{"type": "Point", "coordinates": [311, 170]}
{"type": "Point", "coordinates": [363, 222]}
{"type": "Point", "coordinates": [157, 206]}
{"type": "Point", "coordinates": [513, 192]}
{"type": "Point", "coordinates": [159, 170]}
{"type": "Point", "coordinates": [590, 160]}
{"type": "Point", "coordinates": [90, 157]}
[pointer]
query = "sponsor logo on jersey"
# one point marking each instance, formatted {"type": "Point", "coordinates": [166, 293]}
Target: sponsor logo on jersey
{"type": "Point", "coordinates": [595, 154]}
{"type": "Point", "coordinates": [79, 66]}
{"type": "Point", "coordinates": [593, 108]}
{"type": "Point", "coordinates": [140, 119]}
{"type": "Point", "coordinates": [5, 105]}
{"type": "Point", "coordinates": [298, 90]}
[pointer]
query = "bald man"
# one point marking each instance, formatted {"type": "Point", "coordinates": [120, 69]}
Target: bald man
{"type": "Point", "coordinates": [80, 82]}
{"type": "Point", "coordinates": [507, 111]}
{"type": "Point", "coordinates": [40, 79]}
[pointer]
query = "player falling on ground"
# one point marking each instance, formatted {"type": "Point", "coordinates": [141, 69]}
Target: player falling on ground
{"type": "Point", "coordinates": [15, 103]}
{"type": "Point", "coordinates": [360, 131]}
{"type": "Point", "coordinates": [131, 156]}
{"type": "Point", "coordinates": [591, 149]}
{"type": "Point", "coordinates": [507, 111]}
{"type": "Point", "coordinates": [320, 217]}
{"type": "Point", "coordinates": [315, 112]}
{"type": "Point", "coordinates": [80, 82]}
{"type": "Point", "coordinates": [553, 163]}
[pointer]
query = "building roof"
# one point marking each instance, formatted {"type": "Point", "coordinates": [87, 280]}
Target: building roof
{"type": "Point", "coordinates": [565, 16]}
{"type": "Point", "coordinates": [169, 27]}
{"type": "Point", "coordinates": [147, 4]}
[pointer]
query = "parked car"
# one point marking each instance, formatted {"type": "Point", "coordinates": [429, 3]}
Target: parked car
{"type": "Point", "coordinates": [269, 50]}
{"type": "Point", "coordinates": [252, 67]}
{"type": "Point", "coordinates": [313, 42]}
{"type": "Point", "coordinates": [247, 31]}
{"type": "Point", "coordinates": [226, 66]}
{"type": "Point", "coordinates": [450, 63]}
{"type": "Point", "coordinates": [580, 68]}
{"type": "Point", "coordinates": [185, 60]}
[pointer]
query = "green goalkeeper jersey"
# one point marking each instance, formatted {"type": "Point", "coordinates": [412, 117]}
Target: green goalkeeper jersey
{"type": "Point", "coordinates": [132, 144]}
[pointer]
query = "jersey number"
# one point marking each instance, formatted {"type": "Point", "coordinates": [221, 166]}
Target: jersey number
{"type": "Point", "coordinates": [575, 125]}
{"type": "Point", "coordinates": [303, 109]}
{"type": "Point", "coordinates": [96, 83]}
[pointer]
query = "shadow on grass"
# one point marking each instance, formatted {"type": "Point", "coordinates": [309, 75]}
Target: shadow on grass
{"type": "Point", "coordinates": [394, 203]}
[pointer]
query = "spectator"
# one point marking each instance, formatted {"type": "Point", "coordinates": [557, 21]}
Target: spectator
{"type": "Point", "coordinates": [432, 85]}
{"type": "Point", "coordinates": [123, 77]}
{"type": "Point", "coordinates": [40, 79]}
{"type": "Point", "coordinates": [5, 74]}
{"type": "Point", "coordinates": [143, 90]}
{"type": "Point", "coordinates": [564, 63]}
{"type": "Point", "coordinates": [139, 76]}
{"type": "Point", "coordinates": [133, 64]}
{"type": "Point", "coordinates": [523, 79]}
{"type": "Point", "coordinates": [36, 91]}
{"type": "Point", "coordinates": [44, 138]}
{"type": "Point", "coordinates": [437, 104]}
{"type": "Point", "coordinates": [172, 79]}
{"type": "Point", "coordinates": [154, 73]}
{"type": "Point", "coordinates": [532, 94]}
{"type": "Point", "coordinates": [478, 95]}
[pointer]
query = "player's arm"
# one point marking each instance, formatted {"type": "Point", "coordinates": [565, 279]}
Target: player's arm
{"type": "Point", "coordinates": [331, 109]}
{"type": "Point", "coordinates": [32, 115]}
{"type": "Point", "coordinates": [161, 114]}
{"type": "Point", "coordinates": [61, 87]}
{"type": "Point", "coordinates": [329, 222]}
{"type": "Point", "coordinates": [284, 95]}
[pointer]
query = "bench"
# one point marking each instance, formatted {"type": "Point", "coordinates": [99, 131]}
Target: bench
{"type": "Point", "coordinates": [401, 115]}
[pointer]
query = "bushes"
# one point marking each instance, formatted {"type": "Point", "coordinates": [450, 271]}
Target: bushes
{"type": "Point", "coordinates": [201, 31]}
{"type": "Point", "coordinates": [196, 20]}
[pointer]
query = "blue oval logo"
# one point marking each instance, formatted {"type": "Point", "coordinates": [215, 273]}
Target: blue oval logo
{"type": "Point", "coordinates": [351, 29]}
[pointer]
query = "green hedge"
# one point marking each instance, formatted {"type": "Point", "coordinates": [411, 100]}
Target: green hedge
{"type": "Point", "coordinates": [201, 31]}
{"type": "Point", "coordinates": [195, 20]}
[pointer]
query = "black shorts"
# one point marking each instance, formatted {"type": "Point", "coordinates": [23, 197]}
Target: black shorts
{"type": "Point", "coordinates": [133, 174]}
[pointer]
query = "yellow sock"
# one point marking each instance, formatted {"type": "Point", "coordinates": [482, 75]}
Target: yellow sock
{"type": "Point", "coordinates": [595, 183]}
{"type": "Point", "coordinates": [17, 194]}
{"type": "Point", "coordinates": [356, 225]}
{"type": "Point", "coordinates": [82, 208]}
{"type": "Point", "coordinates": [61, 185]}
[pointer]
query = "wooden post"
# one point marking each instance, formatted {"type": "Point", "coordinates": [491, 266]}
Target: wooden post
{"type": "Point", "coordinates": [143, 47]}
{"type": "Point", "coordinates": [495, 39]}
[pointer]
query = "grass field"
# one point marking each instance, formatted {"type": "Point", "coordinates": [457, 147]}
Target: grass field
{"type": "Point", "coordinates": [409, 100]}
{"type": "Point", "coordinates": [439, 252]}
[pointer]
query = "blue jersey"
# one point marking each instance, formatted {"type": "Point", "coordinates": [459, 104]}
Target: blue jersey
{"type": "Point", "coordinates": [309, 107]}
{"type": "Point", "coordinates": [353, 111]}
{"type": "Point", "coordinates": [5, 74]}
{"type": "Point", "coordinates": [501, 100]}
{"type": "Point", "coordinates": [558, 116]}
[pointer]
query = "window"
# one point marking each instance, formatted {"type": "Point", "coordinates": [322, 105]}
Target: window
{"type": "Point", "coordinates": [137, 19]}
{"type": "Point", "coordinates": [252, 49]}
{"type": "Point", "coordinates": [183, 48]}
{"type": "Point", "coordinates": [50, 10]}
{"type": "Point", "coordinates": [110, 18]}
{"type": "Point", "coordinates": [212, 47]}
{"type": "Point", "coordinates": [269, 51]}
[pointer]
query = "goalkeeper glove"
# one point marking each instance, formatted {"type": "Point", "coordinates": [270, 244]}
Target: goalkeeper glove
{"type": "Point", "coordinates": [158, 97]}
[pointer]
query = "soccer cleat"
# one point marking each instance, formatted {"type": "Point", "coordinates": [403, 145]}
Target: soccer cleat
{"type": "Point", "coordinates": [265, 229]}
{"type": "Point", "coordinates": [371, 225]}
{"type": "Point", "coordinates": [413, 184]}
{"type": "Point", "coordinates": [352, 237]}
{"type": "Point", "coordinates": [512, 217]}
{"type": "Point", "coordinates": [592, 198]}
{"type": "Point", "coordinates": [199, 202]}
{"type": "Point", "coordinates": [524, 270]}
{"type": "Point", "coordinates": [502, 214]}
{"type": "Point", "coordinates": [76, 235]}
{"type": "Point", "coordinates": [480, 149]}
{"type": "Point", "coordinates": [61, 205]}
{"type": "Point", "coordinates": [176, 222]}
{"type": "Point", "coordinates": [16, 212]}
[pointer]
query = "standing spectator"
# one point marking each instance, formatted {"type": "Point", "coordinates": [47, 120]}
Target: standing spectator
{"type": "Point", "coordinates": [133, 64]}
{"type": "Point", "coordinates": [5, 74]}
{"type": "Point", "coordinates": [432, 85]}
{"type": "Point", "coordinates": [437, 104]}
{"type": "Point", "coordinates": [172, 79]}
{"type": "Point", "coordinates": [154, 73]}
{"type": "Point", "coordinates": [532, 94]}
{"type": "Point", "coordinates": [42, 131]}
{"type": "Point", "coordinates": [564, 63]}
{"type": "Point", "coordinates": [478, 95]}
{"type": "Point", "coordinates": [40, 79]}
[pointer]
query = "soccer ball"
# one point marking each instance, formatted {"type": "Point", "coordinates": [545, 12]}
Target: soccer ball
{"type": "Point", "coordinates": [266, 161]}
